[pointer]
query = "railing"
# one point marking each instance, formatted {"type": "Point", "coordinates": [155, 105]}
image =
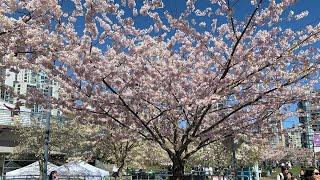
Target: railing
{"type": "Point", "coordinates": [11, 118]}
{"type": "Point", "coordinates": [24, 118]}
{"type": "Point", "coordinates": [130, 177]}
{"type": "Point", "coordinates": [36, 177]}
{"type": "Point", "coordinates": [194, 175]}
{"type": "Point", "coordinates": [6, 117]}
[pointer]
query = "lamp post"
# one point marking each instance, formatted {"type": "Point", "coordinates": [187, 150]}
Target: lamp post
{"type": "Point", "coordinates": [234, 158]}
{"type": "Point", "coordinates": [46, 145]}
{"type": "Point", "coordinates": [46, 138]}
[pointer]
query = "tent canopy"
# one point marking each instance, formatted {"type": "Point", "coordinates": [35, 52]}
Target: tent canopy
{"type": "Point", "coordinates": [80, 169]}
{"type": "Point", "coordinates": [30, 170]}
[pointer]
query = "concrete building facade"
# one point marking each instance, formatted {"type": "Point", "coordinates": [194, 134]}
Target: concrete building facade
{"type": "Point", "coordinates": [275, 130]}
{"type": "Point", "coordinates": [306, 121]}
{"type": "Point", "coordinates": [309, 121]}
{"type": "Point", "coordinates": [293, 138]}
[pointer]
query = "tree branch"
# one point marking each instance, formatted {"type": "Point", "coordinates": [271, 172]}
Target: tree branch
{"type": "Point", "coordinates": [234, 111]}
{"type": "Point", "coordinates": [238, 41]}
{"type": "Point", "coordinates": [231, 20]}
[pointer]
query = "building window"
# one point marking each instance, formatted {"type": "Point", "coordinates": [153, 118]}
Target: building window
{"type": "Point", "coordinates": [47, 91]}
{"type": "Point", "coordinates": [35, 109]}
{"type": "Point", "coordinates": [43, 79]}
{"type": "Point", "coordinates": [6, 96]}
{"type": "Point", "coordinates": [25, 77]}
{"type": "Point", "coordinates": [18, 88]}
{"type": "Point", "coordinates": [30, 88]}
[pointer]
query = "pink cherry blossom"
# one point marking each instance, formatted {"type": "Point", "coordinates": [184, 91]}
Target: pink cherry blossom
{"type": "Point", "coordinates": [165, 80]}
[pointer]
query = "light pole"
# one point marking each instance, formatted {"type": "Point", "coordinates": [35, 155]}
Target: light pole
{"type": "Point", "coordinates": [46, 145]}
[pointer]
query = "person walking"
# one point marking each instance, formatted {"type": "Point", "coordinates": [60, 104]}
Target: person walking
{"type": "Point", "coordinates": [302, 173]}
{"type": "Point", "coordinates": [315, 175]}
{"type": "Point", "coordinates": [283, 173]}
{"type": "Point", "coordinates": [289, 176]}
{"type": "Point", "coordinates": [289, 165]}
{"type": "Point", "coordinates": [115, 172]}
{"type": "Point", "coordinates": [54, 175]}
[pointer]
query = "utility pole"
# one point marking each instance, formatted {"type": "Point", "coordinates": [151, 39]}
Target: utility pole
{"type": "Point", "coordinates": [46, 145]}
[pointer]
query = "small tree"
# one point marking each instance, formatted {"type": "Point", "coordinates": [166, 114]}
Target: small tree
{"type": "Point", "coordinates": [31, 138]}
{"type": "Point", "coordinates": [85, 141]}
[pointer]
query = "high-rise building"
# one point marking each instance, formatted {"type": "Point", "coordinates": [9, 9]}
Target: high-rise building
{"type": "Point", "coordinates": [22, 82]}
{"type": "Point", "coordinates": [293, 137]}
{"type": "Point", "coordinates": [309, 123]}
{"type": "Point", "coordinates": [271, 130]}
{"type": "Point", "coordinates": [274, 130]}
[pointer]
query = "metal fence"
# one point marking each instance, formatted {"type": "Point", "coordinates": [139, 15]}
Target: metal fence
{"type": "Point", "coordinates": [193, 175]}
{"type": "Point", "coordinates": [134, 177]}
{"type": "Point", "coordinates": [35, 177]}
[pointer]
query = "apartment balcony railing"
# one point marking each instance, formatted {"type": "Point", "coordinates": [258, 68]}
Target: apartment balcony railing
{"type": "Point", "coordinates": [25, 118]}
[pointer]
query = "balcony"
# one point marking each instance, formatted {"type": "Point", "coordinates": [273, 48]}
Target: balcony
{"type": "Point", "coordinates": [25, 118]}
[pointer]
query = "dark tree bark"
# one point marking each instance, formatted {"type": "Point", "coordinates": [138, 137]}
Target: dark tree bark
{"type": "Point", "coordinates": [178, 168]}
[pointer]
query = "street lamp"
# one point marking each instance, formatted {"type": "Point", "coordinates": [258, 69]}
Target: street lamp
{"type": "Point", "coordinates": [46, 145]}
{"type": "Point", "coordinates": [234, 158]}
{"type": "Point", "coordinates": [46, 137]}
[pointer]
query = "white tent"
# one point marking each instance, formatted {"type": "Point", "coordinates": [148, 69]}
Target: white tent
{"type": "Point", "coordinates": [94, 169]}
{"type": "Point", "coordinates": [81, 169]}
{"type": "Point", "coordinates": [30, 171]}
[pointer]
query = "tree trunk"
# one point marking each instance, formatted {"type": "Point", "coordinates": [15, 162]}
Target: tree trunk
{"type": "Point", "coordinates": [121, 165]}
{"type": "Point", "coordinates": [178, 168]}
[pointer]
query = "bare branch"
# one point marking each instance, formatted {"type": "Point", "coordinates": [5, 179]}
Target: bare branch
{"type": "Point", "coordinates": [231, 19]}
{"type": "Point", "coordinates": [226, 70]}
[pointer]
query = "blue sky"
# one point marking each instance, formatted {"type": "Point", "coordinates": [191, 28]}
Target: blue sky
{"type": "Point", "coordinates": [242, 8]}
{"type": "Point", "coordinates": [313, 6]}
{"type": "Point", "coordinates": [292, 120]}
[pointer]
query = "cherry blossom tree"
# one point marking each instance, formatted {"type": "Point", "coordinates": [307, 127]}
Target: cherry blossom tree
{"type": "Point", "coordinates": [168, 76]}
{"type": "Point", "coordinates": [67, 140]}
{"type": "Point", "coordinates": [147, 155]}
{"type": "Point", "coordinates": [220, 154]}
{"type": "Point", "coordinates": [79, 137]}
{"type": "Point", "coordinates": [281, 153]}
{"type": "Point", "coordinates": [85, 141]}
{"type": "Point", "coordinates": [113, 145]}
